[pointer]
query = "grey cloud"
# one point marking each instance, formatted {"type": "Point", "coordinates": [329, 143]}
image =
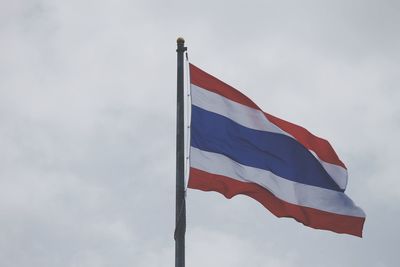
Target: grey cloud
{"type": "Point", "coordinates": [87, 113]}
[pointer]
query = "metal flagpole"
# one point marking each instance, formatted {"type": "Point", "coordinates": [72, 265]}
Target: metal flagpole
{"type": "Point", "coordinates": [180, 208]}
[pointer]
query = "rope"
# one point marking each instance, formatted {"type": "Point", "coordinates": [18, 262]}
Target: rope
{"type": "Point", "coordinates": [188, 103]}
{"type": "Point", "coordinates": [181, 224]}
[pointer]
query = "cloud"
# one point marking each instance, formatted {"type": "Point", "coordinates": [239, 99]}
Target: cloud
{"type": "Point", "coordinates": [213, 248]}
{"type": "Point", "coordinates": [87, 121]}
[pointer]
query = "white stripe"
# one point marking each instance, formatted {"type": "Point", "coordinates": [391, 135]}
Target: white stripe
{"type": "Point", "coordinates": [338, 173]}
{"type": "Point", "coordinates": [254, 119]}
{"type": "Point", "coordinates": [286, 190]}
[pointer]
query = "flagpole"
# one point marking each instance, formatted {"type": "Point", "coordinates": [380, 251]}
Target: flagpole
{"type": "Point", "coordinates": [180, 208]}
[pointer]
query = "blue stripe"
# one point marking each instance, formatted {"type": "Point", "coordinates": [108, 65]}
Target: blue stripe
{"type": "Point", "coordinates": [277, 153]}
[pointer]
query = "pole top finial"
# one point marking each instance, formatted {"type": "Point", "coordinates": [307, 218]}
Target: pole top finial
{"type": "Point", "coordinates": [180, 40]}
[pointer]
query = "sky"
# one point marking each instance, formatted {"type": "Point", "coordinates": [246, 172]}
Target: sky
{"type": "Point", "coordinates": [87, 127]}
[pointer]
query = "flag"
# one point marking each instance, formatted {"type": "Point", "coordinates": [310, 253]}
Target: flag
{"type": "Point", "coordinates": [236, 148]}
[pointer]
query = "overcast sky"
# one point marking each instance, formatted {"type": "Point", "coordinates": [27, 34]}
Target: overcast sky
{"type": "Point", "coordinates": [87, 127]}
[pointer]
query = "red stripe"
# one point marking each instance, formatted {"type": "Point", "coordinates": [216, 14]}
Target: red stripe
{"type": "Point", "coordinates": [320, 146]}
{"type": "Point", "coordinates": [206, 81]}
{"type": "Point", "coordinates": [308, 216]}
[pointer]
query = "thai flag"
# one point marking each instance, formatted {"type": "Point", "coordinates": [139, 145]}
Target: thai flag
{"type": "Point", "coordinates": [236, 148]}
